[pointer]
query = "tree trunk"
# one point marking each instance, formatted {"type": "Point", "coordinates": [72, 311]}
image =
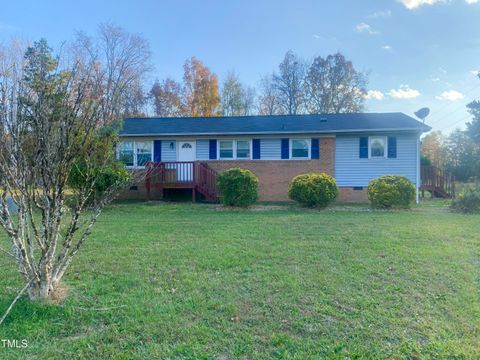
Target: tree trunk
{"type": "Point", "coordinates": [41, 290]}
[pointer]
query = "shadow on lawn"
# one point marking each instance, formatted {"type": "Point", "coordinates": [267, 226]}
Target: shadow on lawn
{"type": "Point", "coordinates": [30, 312]}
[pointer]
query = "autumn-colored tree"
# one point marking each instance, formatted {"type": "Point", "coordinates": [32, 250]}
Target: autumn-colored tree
{"type": "Point", "coordinates": [167, 98]}
{"type": "Point", "coordinates": [432, 147]}
{"type": "Point", "coordinates": [201, 95]}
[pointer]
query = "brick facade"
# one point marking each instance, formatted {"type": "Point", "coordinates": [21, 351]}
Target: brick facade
{"type": "Point", "coordinates": [274, 176]}
{"type": "Point", "coordinates": [351, 195]}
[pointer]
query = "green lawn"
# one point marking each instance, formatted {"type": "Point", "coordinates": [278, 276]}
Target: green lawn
{"type": "Point", "coordinates": [196, 281]}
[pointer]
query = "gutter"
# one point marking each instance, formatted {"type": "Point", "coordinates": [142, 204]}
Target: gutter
{"type": "Point", "coordinates": [276, 132]}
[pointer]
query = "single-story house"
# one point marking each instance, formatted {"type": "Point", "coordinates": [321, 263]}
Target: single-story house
{"type": "Point", "coordinates": [354, 148]}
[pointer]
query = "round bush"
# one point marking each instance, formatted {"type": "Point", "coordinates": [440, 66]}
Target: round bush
{"type": "Point", "coordinates": [313, 190]}
{"type": "Point", "coordinates": [468, 200]}
{"type": "Point", "coordinates": [391, 191]}
{"type": "Point", "coordinates": [238, 187]}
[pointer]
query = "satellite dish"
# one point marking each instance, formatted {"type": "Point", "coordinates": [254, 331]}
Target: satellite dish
{"type": "Point", "coordinates": [422, 113]}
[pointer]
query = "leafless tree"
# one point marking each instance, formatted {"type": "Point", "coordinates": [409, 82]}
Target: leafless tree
{"type": "Point", "coordinates": [236, 99]}
{"type": "Point", "coordinates": [267, 101]}
{"type": "Point", "coordinates": [334, 86]}
{"type": "Point", "coordinates": [249, 100]}
{"type": "Point", "coordinates": [232, 95]}
{"type": "Point", "coordinates": [289, 84]}
{"type": "Point", "coordinates": [124, 60]}
{"type": "Point", "coordinates": [136, 102]}
{"type": "Point", "coordinates": [52, 143]}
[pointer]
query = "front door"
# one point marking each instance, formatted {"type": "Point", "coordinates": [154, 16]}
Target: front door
{"type": "Point", "coordinates": [186, 152]}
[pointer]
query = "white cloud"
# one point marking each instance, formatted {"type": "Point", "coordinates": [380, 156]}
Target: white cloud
{"type": "Point", "coordinates": [413, 4]}
{"type": "Point", "coordinates": [451, 95]}
{"type": "Point", "coordinates": [404, 92]}
{"type": "Point", "coordinates": [475, 72]}
{"type": "Point", "coordinates": [380, 14]}
{"type": "Point", "coordinates": [387, 47]}
{"type": "Point", "coordinates": [316, 36]}
{"type": "Point", "coordinates": [364, 27]}
{"type": "Point", "coordinates": [375, 95]}
{"type": "Point", "coordinates": [435, 78]}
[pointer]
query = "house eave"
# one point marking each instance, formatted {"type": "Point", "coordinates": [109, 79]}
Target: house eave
{"type": "Point", "coordinates": [351, 131]}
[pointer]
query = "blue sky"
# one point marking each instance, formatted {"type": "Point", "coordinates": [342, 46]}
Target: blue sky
{"type": "Point", "coordinates": [417, 52]}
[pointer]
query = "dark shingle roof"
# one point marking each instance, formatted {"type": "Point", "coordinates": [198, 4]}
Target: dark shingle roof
{"type": "Point", "coordinates": [275, 124]}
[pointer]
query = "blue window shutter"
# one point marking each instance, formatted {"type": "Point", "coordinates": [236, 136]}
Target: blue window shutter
{"type": "Point", "coordinates": [212, 151]}
{"type": "Point", "coordinates": [392, 147]}
{"type": "Point", "coordinates": [363, 148]}
{"type": "Point", "coordinates": [285, 149]}
{"type": "Point", "coordinates": [315, 149]}
{"type": "Point", "coordinates": [256, 149]}
{"type": "Point", "coordinates": [157, 150]}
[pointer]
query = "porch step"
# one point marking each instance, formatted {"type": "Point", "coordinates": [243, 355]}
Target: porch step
{"type": "Point", "coordinates": [437, 182]}
{"type": "Point", "coordinates": [194, 175]}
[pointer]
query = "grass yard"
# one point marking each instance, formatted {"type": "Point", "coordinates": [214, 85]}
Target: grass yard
{"type": "Point", "coordinates": [190, 281]}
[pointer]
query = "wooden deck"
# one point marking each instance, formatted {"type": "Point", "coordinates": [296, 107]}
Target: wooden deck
{"type": "Point", "coordinates": [437, 182]}
{"type": "Point", "coordinates": [194, 175]}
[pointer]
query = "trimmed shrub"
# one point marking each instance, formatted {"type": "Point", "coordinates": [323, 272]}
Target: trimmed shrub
{"type": "Point", "coordinates": [238, 187]}
{"type": "Point", "coordinates": [391, 191]}
{"type": "Point", "coordinates": [468, 200]}
{"type": "Point", "coordinates": [313, 190]}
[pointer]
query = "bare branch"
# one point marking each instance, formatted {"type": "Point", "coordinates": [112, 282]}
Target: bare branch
{"type": "Point", "coordinates": [20, 293]}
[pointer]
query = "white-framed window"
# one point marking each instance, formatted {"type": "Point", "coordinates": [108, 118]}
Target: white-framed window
{"type": "Point", "coordinates": [299, 149]}
{"type": "Point", "coordinates": [225, 149]}
{"type": "Point", "coordinates": [143, 152]}
{"type": "Point", "coordinates": [243, 149]}
{"type": "Point", "coordinates": [135, 153]}
{"type": "Point", "coordinates": [125, 153]}
{"type": "Point", "coordinates": [234, 149]}
{"type": "Point", "coordinates": [377, 146]}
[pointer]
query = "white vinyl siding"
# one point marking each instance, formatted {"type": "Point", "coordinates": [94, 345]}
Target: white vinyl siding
{"type": "Point", "coordinates": [351, 170]}
{"type": "Point", "coordinates": [203, 149]}
{"type": "Point", "coordinates": [270, 149]}
{"type": "Point", "coordinates": [169, 150]}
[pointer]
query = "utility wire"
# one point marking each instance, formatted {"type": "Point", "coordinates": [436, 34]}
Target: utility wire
{"type": "Point", "coordinates": [437, 120]}
{"type": "Point", "coordinates": [456, 122]}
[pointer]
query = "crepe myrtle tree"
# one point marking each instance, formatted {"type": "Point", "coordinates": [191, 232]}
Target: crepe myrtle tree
{"type": "Point", "coordinates": [57, 163]}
